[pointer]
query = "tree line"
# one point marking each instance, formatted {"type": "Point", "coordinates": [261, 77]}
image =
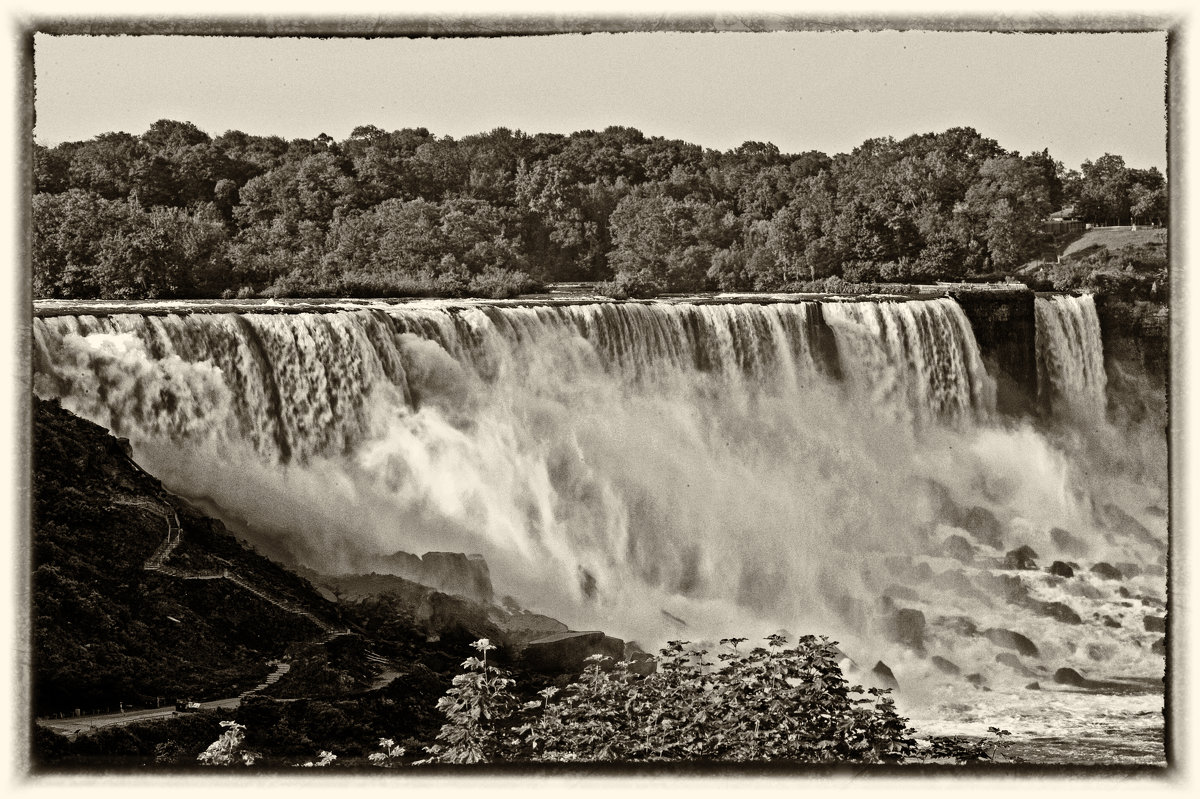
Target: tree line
{"type": "Point", "coordinates": [175, 212]}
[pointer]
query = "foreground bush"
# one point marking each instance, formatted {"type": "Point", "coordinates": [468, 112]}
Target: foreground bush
{"type": "Point", "coordinates": [769, 704]}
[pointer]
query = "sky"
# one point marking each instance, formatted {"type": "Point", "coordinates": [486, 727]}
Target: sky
{"type": "Point", "coordinates": [1079, 95]}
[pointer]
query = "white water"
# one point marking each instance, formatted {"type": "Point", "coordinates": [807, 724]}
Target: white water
{"type": "Point", "coordinates": [741, 467]}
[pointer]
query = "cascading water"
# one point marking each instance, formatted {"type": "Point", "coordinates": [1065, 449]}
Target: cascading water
{"type": "Point", "coordinates": [742, 467]}
{"type": "Point", "coordinates": [1070, 356]}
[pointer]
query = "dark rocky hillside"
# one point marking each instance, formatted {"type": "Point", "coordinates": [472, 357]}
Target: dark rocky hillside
{"type": "Point", "coordinates": [108, 631]}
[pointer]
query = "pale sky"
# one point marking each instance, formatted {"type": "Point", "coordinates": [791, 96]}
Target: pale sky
{"type": "Point", "coordinates": [1080, 95]}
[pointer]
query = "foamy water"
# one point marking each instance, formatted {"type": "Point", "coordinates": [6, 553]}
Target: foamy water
{"type": "Point", "coordinates": [740, 467]}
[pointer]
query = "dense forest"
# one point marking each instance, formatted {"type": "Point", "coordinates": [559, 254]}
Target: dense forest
{"type": "Point", "coordinates": [176, 213]}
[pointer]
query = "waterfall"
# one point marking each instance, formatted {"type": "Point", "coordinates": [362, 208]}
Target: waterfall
{"type": "Point", "coordinates": [1070, 357]}
{"type": "Point", "coordinates": [741, 466]}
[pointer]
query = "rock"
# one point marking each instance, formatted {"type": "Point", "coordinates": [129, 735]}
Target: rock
{"type": "Point", "coordinates": [453, 618]}
{"type": "Point", "coordinates": [976, 679]}
{"type": "Point", "coordinates": [1023, 558]}
{"type": "Point", "coordinates": [1033, 686]}
{"type": "Point", "coordinates": [1067, 542]}
{"type": "Point", "coordinates": [566, 652]}
{"type": "Point", "coordinates": [901, 592]}
{"type": "Point", "coordinates": [1011, 640]}
{"type": "Point", "coordinates": [1117, 520]}
{"type": "Point", "coordinates": [1057, 610]}
{"type": "Point", "coordinates": [1156, 570]}
{"type": "Point", "coordinates": [448, 572]}
{"type": "Point", "coordinates": [1124, 592]}
{"type": "Point", "coordinates": [523, 626]}
{"type": "Point", "coordinates": [922, 572]}
{"type": "Point", "coordinates": [1060, 569]}
{"type": "Point", "coordinates": [1155, 624]}
{"type": "Point", "coordinates": [884, 675]}
{"type": "Point", "coordinates": [959, 548]}
{"type": "Point", "coordinates": [640, 662]}
{"type": "Point", "coordinates": [1128, 570]}
{"type": "Point", "coordinates": [908, 628]}
{"type": "Point", "coordinates": [983, 526]}
{"type": "Point", "coordinates": [959, 624]}
{"type": "Point", "coordinates": [1014, 663]}
{"type": "Point", "coordinates": [1159, 647]}
{"type": "Point", "coordinates": [1099, 652]}
{"type": "Point", "coordinates": [944, 666]}
{"type": "Point", "coordinates": [1109, 621]}
{"type": "Point", "coordinates": [1068, 676]}
{"type": "Point", "coordinates": [1107, 571]}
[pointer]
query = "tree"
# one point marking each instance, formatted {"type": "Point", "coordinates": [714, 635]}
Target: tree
{"type": "Point", "coordinates": [1006, 209]}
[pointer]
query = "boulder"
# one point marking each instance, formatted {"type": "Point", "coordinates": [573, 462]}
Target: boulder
{"type": "Point", "coordinates": [1014, 663]}
{"type": "Point", "coordinates": [1067, 676]}
{"type": "Point", "coordinates": [1060, 569]}
{"type": "Point", "coordinates": [1011, 640]}
{"type": "Point", "coordinates": [456, 573]}
{"type": "Point", "coordinates": [901, 592]}
{"type": "Point", "coordinates": [1128, 570]}
{"type": "Point", "coordinates": [1033, 686]}
{"type": "Point", "coordinates": [1023, 558]}
{"type": "Point", "coordinates": [976, 679]}
{"type": "Point", "coordinates": [959, 548]}
{"type": "Point", "coordinates": [983, 526]}
{"type": "Point", "coordinates": [1109, 621]}
{"type": "Point", "coordinates": [1057, 610]}
{"type": "Point", "coordinates": [908, 628]}
{"type": "Point", "coordinates": [1155, 624]}
{"type": "Point", "coordinates": [884, 675]}
{"type": "Point", "coordinates": [959, 624]}
{"type": "Point", "coordinates": [944, 666]}
{"type": "Point", "coordinates": [1159, 647]}
{"type": "Point", "coordinates": [1106, 571]}
{"type": "Point", "coordinates": [1067, 542]}
{"type": "Point", "coordinates": [566, 652]}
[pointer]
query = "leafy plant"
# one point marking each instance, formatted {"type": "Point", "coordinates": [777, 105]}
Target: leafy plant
{"type": "Point", "coordinates": [477, 702]}
{"type": "Point", "coordinates": [227, 750]}
{"type": "Point", "coordinates": [773, 703]}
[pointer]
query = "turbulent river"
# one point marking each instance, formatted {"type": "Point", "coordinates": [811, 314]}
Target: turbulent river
{"type": "Point", "coordinates": [688, 470]}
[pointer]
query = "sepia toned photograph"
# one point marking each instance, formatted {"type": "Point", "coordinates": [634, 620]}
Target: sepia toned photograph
{"type": "Point", "coordinates": [717, 394]}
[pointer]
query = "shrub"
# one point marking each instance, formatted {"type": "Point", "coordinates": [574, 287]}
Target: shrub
{"type": "Point", "coordinates": [768, 704]}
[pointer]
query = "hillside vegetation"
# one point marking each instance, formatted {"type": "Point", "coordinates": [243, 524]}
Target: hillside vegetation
{"type": "Point", "coordinates": [175, 212]}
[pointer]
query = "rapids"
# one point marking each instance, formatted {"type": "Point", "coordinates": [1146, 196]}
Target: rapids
{"type": "Point", "coordinates": [736, 468]}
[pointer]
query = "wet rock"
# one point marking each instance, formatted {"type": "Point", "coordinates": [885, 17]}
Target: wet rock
{"type": "Point", "coordinates": [566, 652]}
{"type": "Point", "coordinates": [1099, 652]}
{"type": "Point", "coordinates": [1068, 676]}
{"type": "Point", "coordinates": [1124, 592]}
{"type": "Point", "coordinates": [922, 572]}
{"type": "Point", "coordinates": [1159, 647]}
{"type": "Point", "coordinates": [1033, 686]}
{"type": "Point", "coordinates": [1060, 569]}
{"type": "Point", "coordinates": [1152, 602]}
{"type": "Point", "coordinates": [1014, 663]}
{"type": "Point", "coordinates": [1117, 520]}
{"type": "Point", "coordinates": [956, 580]}
{"type": "Point", "coordinates": [959, 624]}
{"type": "Point", "coordinates": [641, 663]}
{"type": "Point", "coordinates": [1011, 640]}
{"type": "Point", "coordinates": [1155, 624]}
{"type": "Point", "coordinates": [1109, 621]}
{"type": "Point", "coordinates": [449, 572]}
{"type": "Point", "coordinates": [884, 675]}
{"type": "Point", "coordinates": [901, 592]}
{"type": "Point", "coordinates": [1067, 542]}
{"type": "Point", "coordinates": [1106, 570]}
{"type": "Point", "coordinates": [908, 628]}
{"type": "Point", "coordinates": [522, 626]}
{"type": "Point", "coordinates": [960, 549]}
{"type": "Point", "coordinates": [1156, 570]}
{"type": "Point", "coordinates": [983, 526]}
{"type": "Point", "coordinates": [1023, 558]}
{"type": "Point", "coordinates": [976, 679]}
{"type": "Point", "coordinates": [944, 666]}
{"type": "Point", "coordinates": [1128, 570]}
{"type": "Point", "coordinates": [1009, 587]}
{"type": "Point", "coordinates": [1058, 611]}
